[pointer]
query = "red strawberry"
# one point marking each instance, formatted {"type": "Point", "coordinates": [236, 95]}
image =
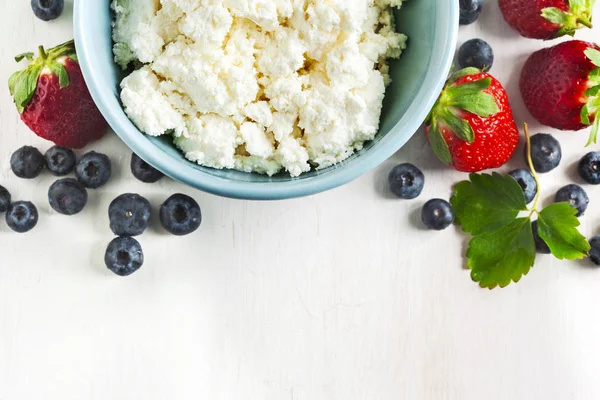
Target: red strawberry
{"type": "Point", "coordinates": [547, 19]}
{"type": "Point", "coordinates": [561, 86]}
{"type": "Point", "coordinates": [54, 101]}
{"type": "Point", "coordinates": [471, 126]}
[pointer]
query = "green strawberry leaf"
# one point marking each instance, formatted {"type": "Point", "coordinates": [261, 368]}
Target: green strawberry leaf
{"type": "Point", "coordinates": [25, 86]}
{"type": "Point", "coordinates": [481, 104]}
{"type": "Point", "coordinates": [462, 73]}
{"type": "Point", "coordinates": [28, 55]}
{"type": "Point", "coordinates": [487, 203]}
{"type": "Point", "coordinates": [593, 55]}
{"type": "Point", "coordinates": [469, 88]}
{"type": "Point", "coordinates": [556, 16]}
{"type": "Point", "coordinates": [439, 146]}
{"type": "Point", "coordinates": [557, 226]}
{"type": "Point", "coordinates": [594, 132]}
{"type": "Point", "coordinates": [504, 256]}
{"type": "Point", "coordinates": [458, 126]}
{"type": "Point", "coordinates": [60, 71]}
{"type": "Point", "coordinates": [12, 82]}
{"type": "Point", "coordinates": [594, 77]}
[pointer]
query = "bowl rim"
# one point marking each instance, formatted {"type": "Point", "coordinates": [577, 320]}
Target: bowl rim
{"type": "Point", "coordinates": [409, 123]}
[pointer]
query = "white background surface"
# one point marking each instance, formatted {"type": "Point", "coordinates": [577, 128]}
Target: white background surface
{"type": "Point", "coordinates": [338, 296]}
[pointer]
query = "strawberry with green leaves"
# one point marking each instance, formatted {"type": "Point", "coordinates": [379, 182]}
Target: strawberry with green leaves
{"type": "Point", "coordinates": [560, 86]}
{"type": "Point", "coordinates": [53, 99]}
{"type": "Point", "coordinates": [471, 126]}
{"type": "Point", "coordinates": [547, 19]}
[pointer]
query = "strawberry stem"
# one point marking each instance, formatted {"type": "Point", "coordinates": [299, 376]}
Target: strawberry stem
{"type": "Point", "coordinates": [533, 172]}
{"type": "Point", "coordinates": [43, 54]}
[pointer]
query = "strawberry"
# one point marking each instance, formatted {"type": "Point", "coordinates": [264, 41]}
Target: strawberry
{"type": "Point", "coordinates": [561, 86]}
{"type": "Point", "coordinates": [471, 126]}
{"type": "Point", "coordinates": [547, 19]}
{"type": "Point", "coordinates": [53, 99]}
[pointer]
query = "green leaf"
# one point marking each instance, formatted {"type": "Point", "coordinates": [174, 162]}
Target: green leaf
{"type": "Point", "coordinates": [593, 105]}
{"type": "Point", "coordinates": [463, 72]}
{"type": "Point", "coordinates": [482, 104]}
{"type": "Point", "coordinates": [59, 70]}
{"type": "Point", "coordinates": [25, 86]}
{"type": "Point", "coordinates": [28, 55]}
{"type": "Point", "coordinates": [504, 256]}
{"type": "Point", "coordinates": [458, 126]}
{"type": "Point", "coordinates": [594, 132]}
{"type": "Point", "coordinates": [556, 15]}
{"type": "Point", "coordinates": [594, 77]}
{"type": "Point", "coordinates": [12, 81]}
{"type": "Point", "coordinates": [487, 203]}
{"type": "Point", "coordinates": [557, 226]}
{"type": "Point", "coordinates": [439, 146]}
{"type": "Point", "coordinates": [469, 88]}
{"type": "Point", "coordinates": [585, 115]}
{"type": "Point", "coordinates": [593, 55]}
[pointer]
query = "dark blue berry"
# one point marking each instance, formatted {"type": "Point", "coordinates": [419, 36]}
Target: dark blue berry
{"type": "Point", "coordinates": [575, 196]}
{"type": "Point", "coordinates": [180, 215]}
{"type": "Point", "coordinates": [144, 171]}
{"type": "Point", "coordinates": [589, 168]}
{"type": "Point", "coordinates": [27, 162]}
{"type": "Point", "coordinates": [60, 161]}
{"type": "Point", "coordinates": [540, 246]}
{"type": "Point", "coordinates": [527, 183]}
{"type": "Point", "coordinates": [67, 196]}
{"type": "Point", "coordinates": [93, 170]}
{"type": "Point", "coordinates": [22, 216]}
{"type": "Point", "coordinates": [470, 10]}
{"type": "Point", "coordinates": [129, 215]}
{"type": "Point", "coordinates": [4, 199]}
{"type": "Point", "coordinates": [47, 10]}
{"type": "Point", "coordinates": [406, 181]}
{"type": "Point", "coordinates": [545, 152]}
{"type": "Point", "coordinates": [594, 253]}
{"type": "Point", "coordinates": [476, 53]}
{"type": "Point", "coordinates": [437, 214]}
{"type": "Point", "coordinates": [124, 256]}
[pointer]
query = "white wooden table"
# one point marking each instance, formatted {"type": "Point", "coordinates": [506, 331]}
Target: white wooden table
{"type": "Point", "coordinates": [338, 296]}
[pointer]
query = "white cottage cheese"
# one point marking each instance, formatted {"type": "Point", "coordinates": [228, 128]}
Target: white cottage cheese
{"type": "Point", "coordinates": [257, 85]}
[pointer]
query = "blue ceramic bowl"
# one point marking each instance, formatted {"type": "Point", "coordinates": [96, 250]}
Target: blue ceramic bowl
{"type": "Point", "coordinates": [418, 78]}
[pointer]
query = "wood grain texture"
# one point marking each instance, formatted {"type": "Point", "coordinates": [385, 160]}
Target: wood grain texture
{"type": "Point", "coordinates": [337, 296]}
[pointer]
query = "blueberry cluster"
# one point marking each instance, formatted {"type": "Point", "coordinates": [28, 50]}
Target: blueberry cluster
{"type": "Point", "coordinates": [129, 214]}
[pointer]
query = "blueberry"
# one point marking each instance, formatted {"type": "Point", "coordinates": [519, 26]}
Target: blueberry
{"type": "Point", "coordinates": [180, 215]}
{"type": "Point", "coordinates": [437, 214]}
{"type": "Point", "coordinates": [93, 170]}
{"type": "Point", "coordinates": [527, 183]}
{"type": "Point", "coordinates": [124, 256]}
{"type": "Point", "coordinates": [476, 53]}
{"type": "Point", "coordinates": [22, 216]}
{"type": "Point", "coordinates": [4, 199]}
{"type": "Point", "coordinates": [129, 215]}
{"type": "Point", "coordinates": [545, 152]}
{"type": "Point", "coordinates": [67, 196]}
{"type": "Point", "coordinates": [594, 253]}
{"type": "Point", "coordinates": [144, 171]}
{"type": "Point", "coordinates": [406, 181]}
{"type": "Point", "coordinates": [574, 195]}
{"type": "Point", "coordinates": [27, 162]}
{"type": "Point", "coordinates": [470, 10]}
{"type": "Point", "coordinates": [540, 246]}
{"type": "Point", "coordinates": [47, 10]}
{"type": "Point", "coordinates": [589, 168]}
{"type": "Point", "coordinates": [60, 161]}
